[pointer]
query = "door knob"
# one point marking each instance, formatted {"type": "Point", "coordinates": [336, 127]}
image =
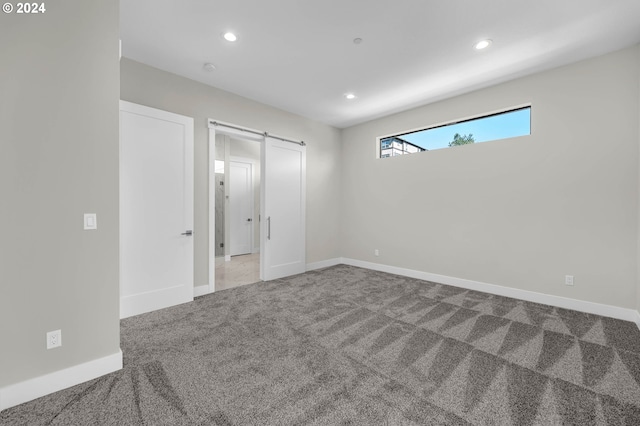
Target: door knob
{"type": "Point", "coordinates": [249, 220]}
{"type": "Point", "coordinates": [188, 232]}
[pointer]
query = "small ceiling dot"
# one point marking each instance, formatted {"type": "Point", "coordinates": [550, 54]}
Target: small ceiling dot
{"type": "Point", "coordinates": [357, 40]}
{"type": "Point", "coordinates": [483, 44]}
{"type": "Point", "coordinates": [209, 67]}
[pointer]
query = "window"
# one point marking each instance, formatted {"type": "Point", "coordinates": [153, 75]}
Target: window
{"type": "Point", "coordinates": [506, 124]}
{"type": "Point", "coordinates": [392, 146]}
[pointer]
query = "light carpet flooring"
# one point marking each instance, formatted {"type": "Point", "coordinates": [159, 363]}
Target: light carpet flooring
{"type": "Point", "coordinates": [350, 346]}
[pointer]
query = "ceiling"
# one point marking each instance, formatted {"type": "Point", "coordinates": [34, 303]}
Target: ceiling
{"type": "Point", "coordinates": [299, 55]}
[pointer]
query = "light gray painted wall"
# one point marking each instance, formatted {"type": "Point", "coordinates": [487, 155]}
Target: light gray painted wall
{"type": "Point", "coordinates": [638, 258]}
{"type": "Point", "coordinates": [158, 89]}
{"type": "Point", "coordinates": [521, 212]}
{"type": "Point", "coordinates": [59, 82]}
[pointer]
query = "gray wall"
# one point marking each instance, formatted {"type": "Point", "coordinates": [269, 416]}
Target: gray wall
{"type": "Point", "coordinates": [59, 82]}
{"type": "Point", "coordinates": [521, 212]}
{"type": "Point", "coordinates": [158, 89]}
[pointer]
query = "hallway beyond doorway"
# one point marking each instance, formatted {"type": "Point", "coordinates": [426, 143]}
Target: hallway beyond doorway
{"type": "Point", "coordinates": [241, 270]}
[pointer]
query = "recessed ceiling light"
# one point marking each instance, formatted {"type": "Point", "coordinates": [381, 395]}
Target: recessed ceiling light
{"type": "Point", "coordinates": [349, 96]}
{"type": "Point", "coordinates": [209, 67]}
{"type": "Point", "coordinates": [230, 36]}
{"type": "Point", "coordinates": [483, 44]}
{"type": "Point", "coordinates": [357, 40]}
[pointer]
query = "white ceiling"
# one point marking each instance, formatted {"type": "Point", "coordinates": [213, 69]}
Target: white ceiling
{"type": "Point", "coordinates": [299, 55]}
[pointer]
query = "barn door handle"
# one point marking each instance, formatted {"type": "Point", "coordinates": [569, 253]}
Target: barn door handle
{"type": "Point", "coordinates": [269, 228]}
{"type": "Point", "coordinates": [188, 232]}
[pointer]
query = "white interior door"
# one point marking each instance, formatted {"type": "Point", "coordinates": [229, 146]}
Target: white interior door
{"type": "Point", "coordinates": [241, 207]}
{"type": "Point", "coordinates": [156, 209]}
{"type": "Point", "coordinates": [283, 215]}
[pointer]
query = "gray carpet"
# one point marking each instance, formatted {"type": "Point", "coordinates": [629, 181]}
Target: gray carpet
{"type": "Point", "coordinates": [349, 346]}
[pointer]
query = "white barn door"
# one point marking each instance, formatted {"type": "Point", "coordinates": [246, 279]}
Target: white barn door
{"type": "Point", "coordinates": [283, 209]}
{"type": "Point", "coordinates": [156, 209]}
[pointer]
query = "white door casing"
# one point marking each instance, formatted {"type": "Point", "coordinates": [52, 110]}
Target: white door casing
{"type": "Point", "coordinates": [283, 209]}
{"type": "Point", "coordinates": [254, 136]}
{"type": "Point", "coordinates": [241, 207]}
{"type": "Point", "coordinates": [156, 209]}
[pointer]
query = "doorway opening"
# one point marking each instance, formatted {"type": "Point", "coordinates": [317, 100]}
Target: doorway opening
{"type": "Point", "coordinates": [237, 211]}
{"type": "Point", "coordinates": [281, 229]}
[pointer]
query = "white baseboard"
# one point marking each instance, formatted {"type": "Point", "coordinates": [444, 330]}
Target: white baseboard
{"type": "Point", "coordinates": [531, 296]}
{"type": "Point", "coordinates": [148, 301]}
{"type": "Point", "coordinates": [227, 258]}
{"type": "Point", "coordinates": [324, 263]}
{"type": "Point", "coordinates": [31, 389]}
{"type": "Point", "coordinates": [201, 290]}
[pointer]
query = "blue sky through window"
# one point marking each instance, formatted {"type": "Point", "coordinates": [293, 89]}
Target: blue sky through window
{"type": "Point", "coordinates": [500, 126]}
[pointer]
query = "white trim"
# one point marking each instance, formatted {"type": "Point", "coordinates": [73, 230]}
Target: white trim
{"type": "Point", "coordinates": [149, 301]}
{"type": "Point", "coordinates": [227, 258]}
{"type": "Point", "coordinates": [262, 213]}
{"type": "Point", "coordinates": [211, 180]}
{"type": "Point", "coordinates": [37, 387]}
{"type": "Point", "coordinates": [201, 290]}
{"type": "Point", "coordinates": [324, 263]}
{"type": "Point", "coordinates": [255, 250]}
{"type": "Point", "coordinates": [531, 296]}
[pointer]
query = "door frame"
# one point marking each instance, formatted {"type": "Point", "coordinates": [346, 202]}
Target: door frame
{"type": "Point", "coordinates": [251, 163]}
{"type": "Point", "coordinates": [249, 134]}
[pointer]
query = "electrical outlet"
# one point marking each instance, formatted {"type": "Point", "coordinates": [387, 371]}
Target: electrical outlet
{"type": "Point", "coordinates": [568, 279]}
{"type": "Point", "coordinates": [54, 339]}
{"type": "Point", "coordinates": [376, 252]}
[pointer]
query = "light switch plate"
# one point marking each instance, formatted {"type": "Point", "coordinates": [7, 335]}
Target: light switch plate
{"type": "Point", "coordinates": [90, 221]}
